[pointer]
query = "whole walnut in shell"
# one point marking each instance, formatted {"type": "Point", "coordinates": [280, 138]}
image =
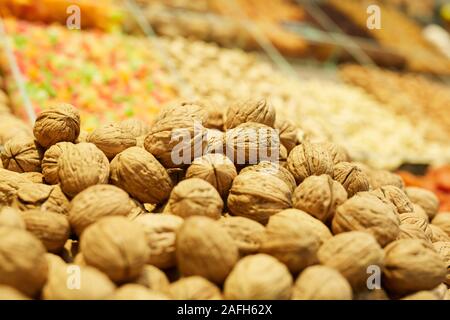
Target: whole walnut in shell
{"type": "Point", "coordinates": [422, 223]}
{"type": "Point", "coordinates": [80, 167]}
{"type": "Point", "coordinates": [51, 159]}
{"type": "Point", "coordinates": [351, 177]}
{"type": "Point", "coordinates": [214, 140]}
{"type": "Point", "coordinates": [22, 154]}
{"type": "Point", "coordinates": [397, 196]}
{"type": "Point", "coordinates": [411, 231]}
{"type": "Point", "coordinates": [425, 198]}
{"type": "Point", "coordinates": [204, 248]}
{"type": "Point", "coordinates": [215, 115]}
{"type": "Point", "coordinates": [442, 220]}
{"type": "Point", "coordinates": [115, 246]}
{"type": "Point", "coordinates": [321, 283]}
{"type": "Point", "coordinates": [112, 139]}
{"type": "Point", "coordinates": [41, 196]}
{"type": "Point", "coordinates": [10, 217]}
{"type": "Point", "coordinates": [133, 291]}
{"type": "Point", "coordinates": [258, 277]}
{"type": "Point", "coordinates": [411, 265]}
{"type": "Point", "coordinates": [381, 178]}
{"type": "Point", "coordinates": [443, 248]}
{"type": "Point", "coordinates": [194, 288]}
{"type": "Point", "coordinates": [337, 152]}
{"type": "Point", "coordinates": [274, 169]}
{"type": "Point", "coordinates": [319, 196]}
{"type": "Point", "coordinates": [154, 279]}
{"type": "Point", "coordinates": [418, 211]}
{"type": "Point", "coordinates": [10, 182]}
{"type": "Point", "coordinates": [288, 133]}
{"type": "Point", "coordinates": [351, 253]}
{"type": "Point", "coordinates": [135, 127]}
{"type": "Point", "coordinates": [151, 185]}
{"type": "Point", "coordinates": [259, 111]}
{"type": "Point", "coordinates": [58, 123]}
{"type": "Point", "coordinates": [437, 234]}
{"type": "Point", "coordinates": [34, 177]}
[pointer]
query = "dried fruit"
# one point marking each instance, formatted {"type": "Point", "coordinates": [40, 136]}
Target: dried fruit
{"type": "Point", "coordinates": [397, 197]}
{"type": "Point", "coordinates": [50, 161]}
{"type": "Point", "coordinates": [41, 196]}
{"type": "Point", "coordinates": [112, 139]}
{"type": "Point", "coordinates": [194, 288]}
{"type": "Point", "coordinates": [154, 279]}
{"type": "Point", "coordinates": [259, 111]}
{"type": "Point", "coordinates": [351, 177]}
{"type": "Point", "coordinates": [10, 217]}
{"type": "Point", "coordinates": [288, 133]}
{"type": "Point", "coordinates": [442, 220]}
{"type": "Point", "coordinates": [22, 154]}
{"type": "Point", "coordinates": [132, 291]}
{"type": "Point", "coordinates": [425, 198]}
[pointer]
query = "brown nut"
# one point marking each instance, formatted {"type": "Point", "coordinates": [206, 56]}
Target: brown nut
{"type": "Point", "coordinates": [34, 177]}
{"type": "Point", "coordinates": [215, 140]}
{"type": "Point", "coordinates": [41, 196]}
{"type": "Point", "coordinates": [259, 111]}
{"type": "Point", "coordinates": [274, 169]}
{"type": "Point", "coordinates": [411, 265]}
{"type": "Point", "coordinates": [58, 123]}
{"type": "Point", "coordinates": [10, 217]}
{"type": "Point", "coordinates": [321, 283]}
{"type": "Point", "coordinates": [442, 220]}
{"type": "Point", "coordinates": [112, 139]}
{"type": "Point", "coordinates": [215, 115]}
{"type": "Point", "coordinates": [424, 198]}
{"type": "Point", "coordinates": [136, 127]}
{"type": "Point", "coordinates": [351, 253]}
{"type": "Point", "coordinates": [11, 126]}
{"type": "Point", "coordinates": [337, 152]}
{"type": "Point", "coordinates": [10, 182]}
{"type": "Point", "coordinates": [418, 211]}
{"type": "Point", "coordinates": [194, 288]}
{"type": "Point", "coordinates": [204, 248]}
{"type": "Point", "coordinates": [133, 291]}
{"type": "Point", "coordinates": [397, 196]}
{"type": "Point", "coordinates": [152, 185]}
{"type": "Point", "coordinates": [351, 177]}
{"type": "Point", "coordinates": [319, 196]}
{"type": "Point", "coordinates": [381, 178]}
{"type": "Point", "coordinates": [10, 293]}
{"type": "Point", "coordinates": [422, 223]}
{"type": "Point", "coordinates": [443, 249]}
{"type": "Point", "coordinates": [411, 231]}
{"type": "Point", "coordinates": [51, 159]}
{"type": "Point", "coordinates": [80, 167]}
{"type": "Point", "coordinates": [288, 134]}
{"type": "Point", "coordinates": [115, 246]}
{"type": "Point", "coordinates": [437, 234]}
{"type": "Point", "coordinates": [154, 279]}
{"type": "Point", "coordinates": [258, 277]}
{"type": "Point", "coordinates": [82, 137]}
{"type": "Point", "coordinates": [22, 154]}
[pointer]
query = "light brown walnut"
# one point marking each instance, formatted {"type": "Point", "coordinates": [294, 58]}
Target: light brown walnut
{"type": "Point", "coordinates": [112, 139]}
{"type": "Point", "coordinates": [443, 249]}
{"type": "Point", "coordinates": [22, 154]}
{"type": "Point", "coordinates": [50, 161]}
{"type": "Point", "coordinates": [442, 220]}
{"type": "Point", "coordinates": [425, 198]}
{"type": "Point", "coordinates": [422, 223]}
{"type": "Point", "coordinates": [288, 133]}
{"type": "Point", "coordinates": [274, 169]}
{"type": "Point", "coordinates": [10, 217]}
{"type": "Point", "coordinates": [253, 110]}
{"type": "Point", "coordinates": [337, 152]}
{"type": "Point", "coordinates": [437, 234]}
{"type": "Point", "coordinates": [133, 291]}
{"type": "Point", "coordinates": [397, 196]}
{"type": "Point", "coordinates": [154, 279]}
{"type": "Point", "coordinates": [10, 182]}
{"type": "Point", "coordinates": [194, 288]}
{"type": "Point", "coordinates": [41, 196]}
{"type": "Point", "coordinates": [351, 177]}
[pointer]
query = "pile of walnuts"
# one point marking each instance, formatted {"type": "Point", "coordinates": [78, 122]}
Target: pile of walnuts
{"type": "Point", "coordinates": [113, 215]}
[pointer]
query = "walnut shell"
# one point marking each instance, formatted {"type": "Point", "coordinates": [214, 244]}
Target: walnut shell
{"type": "Point", "coordinates": [152, 185]}
{"type": "Point", "coordinates": [50, 161]}
{"type": "Point", "coordinates": [411, 265]}
{"type": "Point", "coordinates": [351, 253]}
{"type": "Point", "coordinates": [443, 249]}
{"type": "Point", "coordinates": [397, 196]}
{"type": "Point", "coordinates": [96, 202]}
{"type": "Point", "coordinates": [365, 212]}
{"type": "Point", "coordinates": [321, 283]}
{"type": "Point", "coordinates": [10, 217]}
{"type": "Point", "coordinates": [41, 196]}
{"type": "Point", "coordinates": [437, 234]}
{"type": "Point", "coordinates": [194, 288]}
{"type": "Point", "coordinates": [319, 196]}
{"type": "Point", "coordinates": [216, 169]}
{"type": "Point", "coordinates": [258, 277]}
{"type": "Point", "coordinates": [288, 133]}
{"type": "Point", "coordinates": [204, 248]}
{"type": "Point", "coordinates": [215, 115]}
{"type": "Point", "coordinates": [160, 231]}
{"type": "Point", "coordinates": [22, 261]}
{"type": "Point", "coordinates": [442, 220]}
{"type": "Point", "coordinates": [411, 231]}
{"type": "Point", "coordinates": [274, 169]}
{"type": "Point", "coordinates": [351, 177]}
{"type": "Point", "coordinates": [132, 291]}
{"type": "Point", "coordinates": [22, 154]}
{"type": "Point", "coordinates": [214, 140]}
{"type": "Point", "coordinates": [418, 211]}
{"type": "Point", "coordinates": [381, 178]}
{"type": "Point", "coordinates": [10, 293]}
{"type": "Point", "coordinates": [115, 246]}
{"type": "Point", "coordinates": [135, 127]}
{"type": "Point", "coordinates": [10, 182]}
{"type": "Point", "coordinates": [308, 159]}
{"type": "Point", "coordinates": [258, 195]}
{"type": "Point", "coordinates": [154, 279]}
{"type": "Point", "coordinates": [422, 223]}
{"type": "Point", "coordinates": [58, 123]}
{"type": "Point", "coordinates": [337, 152]}
{"type": "Point", "coordinates": [34, 177]}
{"type": "Point", "coordinates": [112, 139]}
{"type": "Point", "coordinates": [82, 166]}
{"type": "Point", "coordinates": [425, 198]}
{"type": "Point", "coordinates": [259, 111]}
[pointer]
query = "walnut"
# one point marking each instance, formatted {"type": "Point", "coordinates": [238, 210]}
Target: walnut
{"type": "Point", "coordinates": [437, 234]}
{"type": "Point", "coordinates": [259, 111]}
{"type": "Point", "coordinates": [152, 185]}
{"type": "Point", "coordinates": [442, 220]}
{"type": "Point", "coordinates": [257, 196]}
{"type": "Point", "coordinates": [11, 126]}
{"type": "Point", "coordinates": [422, 223]}
{"type": "Point", "coordinates": [365, 212]}
{"type": "Point", "coordinates": [216, 169]}
{"type": "Point", "coordinates": [351, 253]}
{"type": "Point", "coordinates": [96, 202]}
{"type": "Point", "coordinates": [204, 248]}
{"type": "Point", "coordinates": [397, 196]}
{"type": "Point", "coordinates": [132, 291]}
{"type": "Point", "coordinates": [258, 277]}
{"type": "Point", "coordinates": [34, 177]}
{"type": "Point", "coordinates": [22, 261]}
{"type": "Point", "coordinates": [215, 115]}
{"type": "Point", "coordinates": [443, 249]}
{"type": "Point", "coordinates": [135, 127]}
{"type": "Point", "coordinates": [10, 293]}
{"type": "Point", "coordinates": [154, 279]}
{"type": "Point", "coordinates": [112, 139]}
{"type": "Point", "coordinates": [425, 198]}
{"type": "Point", "coordinates": [10, 182]}
{"type": "Point", "coordinates": [82, 137]}
{"type": "Point", "coordinates": [308, 159]}
{"type": "Point", "coordinates": [194, 288]}
{"type": "Point", "coordinates": [22, 154]}
{"type": "Point", "coordinates": [214, 140]}
{"type": "Point", "coordinates": [337, 152]}
{"type": "Point", "coordinates": [319, 196]}
{"type": "Point", "coordinates": [80, 167]}
{"type": "Point", "coordinates": [411, 265]}
{"type": "Point", "coordinates": [41, 196]}
{"type": "Point", "coordinates": [115, 246]}
{"type": "Point", "coordinates": [351, 177]}
{"type": "Point", "coordinates": [58, 123]}
{"type": "Point", "coordinates": [321, 283]}
{"type": "Point", "coordinates": [418, 211]}
{"type": "Point", "coordinates": [50, 161]}
{"type": "Point", "coordinates": [381, 178]}
{"type": "Point", "coordinates": [288, 133]}
{"type": "Point", "coordinates": [411, 231]}
{"type": "Point", "coordinates": [160, 231]}
{"type": "Point", "coordinates": [10, 217]}
{"type": "Point", "coordinates": [275, 169]}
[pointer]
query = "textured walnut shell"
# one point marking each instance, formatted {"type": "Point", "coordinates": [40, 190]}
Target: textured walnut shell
{"type": "Point", "coordinates": [258, 277]}
{"type": "Point", "coordinates": [154, 279]}
{"type": "Point", "coordinates": [321, 283]}
{"type": "Point", "coordinates": [82, 166]}
{"type": "Point", "coordinates": [411, 231]}
{"type": "Point", "coordinates": [437, 234]}
{"type": "Point", "coordinates": [50, 161]}
{"type": "Point", "coordinates": [381, 178]}
{"type": "Point", "coordinates": [10, 217]}
{"type": "Point", "coordinates": [112, 139]}
{"type": "Point", "coordinates": [424, 198]}
{"type": "Point", "coordinates": [246, 233]}
{"type": "Point", "coordinates": [10, 293]}
{"type": "Point", "coordinates": [57, 123]}
{"type": "Point", "coordinates": [34, 177]}
{"type": "Point", "coordinates": [11, 126]}
{"type": "Point", "coordinates": [351, 177]}
{"type": "Point", "coordinates": [422, 223]}
{"type": "Point", "coordinates": [132, 291]}
{"type": "Point", "coordinates": [96, 202]}
{"type": "Point", "coordinates": [308, 159]}
{"type": "Point", "coordinates": [351, 253]}
{"type": "Point", "coordinates": [135, 127]}
{"type": "Point", "coordinates": [288, 133]}
{"type": "Point", "coordinates": [443, 249]}
{"type": "Point", "coordinates": [398, 198]}
{"type": "Point", "coordinates": [115, 246]}
{"type": "Point", "coordinates": [194, 288]}
{"type": "Point", "coordinates": [216, 169]}
{"type": "Point", "coordinates": [257, 196]}
{"type": "Point", "coordinates": [274, 169]}
{"type": "Point", "coordinates": [442, 220]}
{"type": "Point", "coordinates": [151, 185]}
{"type": "Point", "coordinates": [22, 154]}
{"type": "Point", "coordinates": [160, 231]}
{"type": "Point", "coordinates": [411, 265]}
{"type": "Point", "coordinates": [204, 248]}
{"type": "Point", "coordinates": [259, 111]}
{"type": "Point", "coordinates": [41, 196]}
{"type": "Point", "coordinates": [215, 115]}
{"type": "Point", "coordinates": [365, 212]}
{"type": "Point", "coordinates": [214, 140]}
{"type": "Point", "coordinates": [337, 152]}
{"type": "Point", "coordinates": [418, 211]}
{"type": "Point", "coordinates": [22, 261]}
{"type": "Point", "coordinates": [10, 182]}
{"type": "Point", "coordinates": [319, 196]}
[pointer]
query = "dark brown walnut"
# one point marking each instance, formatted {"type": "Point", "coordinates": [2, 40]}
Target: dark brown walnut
{"type": "Point", "coordinates": [11, 217]}
{"type": "Point", "coordinates": [366, 212]}
{"type": "Point", "coordinates": [82, 166]}
{"type": "Point", "coordinates": [97, 202]}
{"type": "Point", "coordinates": [319, 196]}
{"type": "Point", "coordinates": [397, 196]}
{"type": "Point", "coordinates": [34, 177]}
{"type": "Point", "coordinates": [274, 169]}
{"type": "Point", "coordinates": [253, 110]}
{"type": "Point", "coordinates": [194, 288]}
{"type": "Point", "coordinates": [154, 279]}
{"type": "Point", "coordinates": [351, 177]}
{"type": "Point", "coordinates": [442, 220]}
{"type": "Point", "coordinates": [22, 154]}
{"type": "Point", "coordinates": [112, 139]}
{"type": "Point", "coordinates": [288, 133]}
{"type": "Point", "coordinates": [10, 182]}
{"type": "Point", "coordinates": [216, 169]}
{"type": "Point", "coordinates": [41, 196]}
{"type": "Point", "coordinates": [135, 127]}
{"type": "Point", "coordinates": [411, 231]}
{"type": "Point", "coordinates": [425, 198]}
{"type": "Point", "coordinates": [58, 123]}
{"type": "Point", "coordinates": [381, 178]}
{"type": "Point", "coordinates": [437, 234]}
{"type": "Point", "coordinates": [351, 253]}
{"type": "Point", "coordinates": [412, 265]}
{"type": "Point", "coordinates": [50, 161]}
{"type": "Point", "coordinates": [337, 152]}
{"type": "Point", "coordinates": [309, 159]}
{"type": "Point", "coordinates": [205, 249]}
{"type": "Point", "coordinates": [422, 223]}
{"type": "Point", "coordinates": [151, 185]}
{"type": "Point", "coordinates": [257, 196]}
{"type": "Point", "coordinates": [443, 249]}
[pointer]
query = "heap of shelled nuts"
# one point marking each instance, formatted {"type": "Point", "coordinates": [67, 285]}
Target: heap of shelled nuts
{"type": "Point", "coordinates": [114, 214]}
